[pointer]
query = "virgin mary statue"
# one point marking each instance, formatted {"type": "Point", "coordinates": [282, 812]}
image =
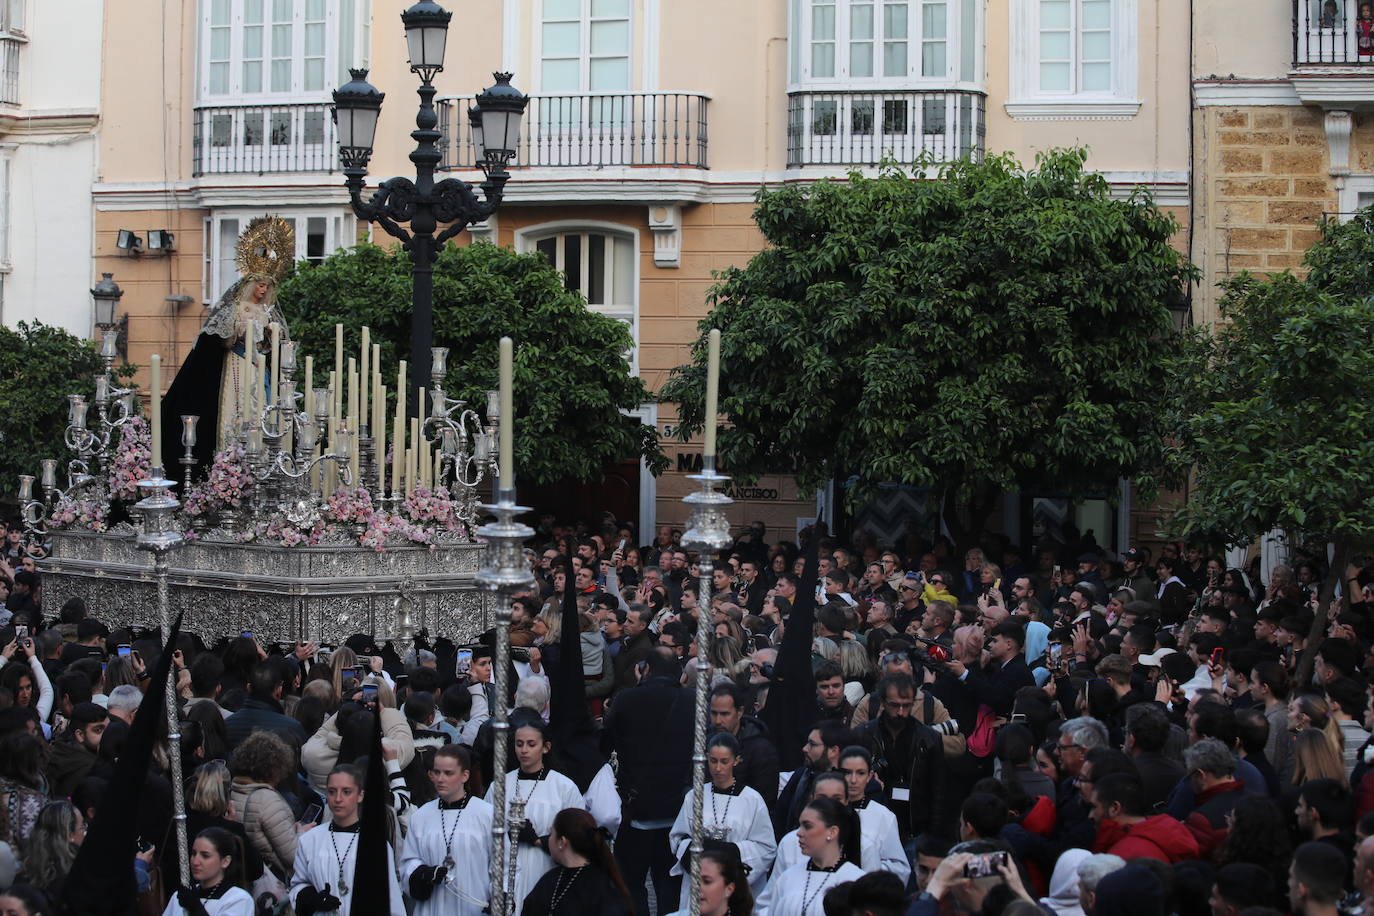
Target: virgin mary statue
{"type": "Point", "coordinates": [211, 381]}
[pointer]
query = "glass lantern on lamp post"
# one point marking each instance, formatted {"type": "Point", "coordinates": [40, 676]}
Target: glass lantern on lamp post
{"type": "Point", "coordinates": [422, 202]}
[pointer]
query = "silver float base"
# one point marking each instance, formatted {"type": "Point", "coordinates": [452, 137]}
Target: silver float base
{"type": "Point", "coordinates": [325, 593]}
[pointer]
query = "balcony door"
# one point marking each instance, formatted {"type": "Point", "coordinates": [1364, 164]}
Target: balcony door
{"type": "Point", "coordinates": [266, 70]}
{"type": "Point", "coordinates": [874, 78]}
{"type": "Point", "coordinates": [584, 110]}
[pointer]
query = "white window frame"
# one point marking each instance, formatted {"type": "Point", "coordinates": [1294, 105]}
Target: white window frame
{"type": "Point", "coordinates": [585, 48]}
{"type": "Point", "coordinates": [333, 55]}
{"type": "Point", "coordinates": [217, 268]}
{"type": "Point", "coordinates": [1027, 102]}
{"type": "Point", "coordinates": [800, 78]}
{"type": "Point", "coordinates": [12, 18]}
{"type": "Point", "coordinates": [528, 238]}
{"type": "Point", "coordinates": [1348, 198]}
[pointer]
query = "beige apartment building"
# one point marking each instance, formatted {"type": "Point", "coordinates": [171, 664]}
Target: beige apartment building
{"type": "Point", "coordinates": [651, 126]}
{"type": "Point", "coordinates": [1282, 131]}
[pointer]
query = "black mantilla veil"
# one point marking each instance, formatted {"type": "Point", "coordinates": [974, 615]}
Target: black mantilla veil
{"type": "Point", "coordinates": [265, 252]}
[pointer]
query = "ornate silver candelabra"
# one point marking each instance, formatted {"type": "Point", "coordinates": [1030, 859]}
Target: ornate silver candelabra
{"type": "Point", "coordinates": [31, 511]}
{"type": "Point", "coordinates": [708, 532]}
{"type": "Point", "coordinates": [504, 573]}
{"type": "Point", "coordinates": [160, 535]}
{"type": "Point", "coordinates": [114, 408]}
{"type": "Point", "coordinates": [467, 448]}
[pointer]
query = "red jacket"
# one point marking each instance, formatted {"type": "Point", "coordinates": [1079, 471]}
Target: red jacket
{"type": "Point", "coordinates": [1158, 837]}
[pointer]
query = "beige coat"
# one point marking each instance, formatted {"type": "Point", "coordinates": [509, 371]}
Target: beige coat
{"type": "Point", "coordinates": [321, 752]}
{"type": "Point", "coordinates": [269, 822]}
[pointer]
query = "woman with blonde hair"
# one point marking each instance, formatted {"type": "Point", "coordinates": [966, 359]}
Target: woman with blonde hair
{"type": "Point", "coordinates": [121, 670]}
{"type": "Point", "coordinates": [1310, 709]}
{"type": "Point", "coordinates": [52, 848]}
{"type": "Point", "coordinates": [1316, 757]}
{"type": "Point", "coordinates": [859, 672]}
{"type": "Point", "coordinates": [825, 647]}
{"type": "Point", "coordinates": [209, 803]}
{"type": "Point", "coordinates": [342, 660]}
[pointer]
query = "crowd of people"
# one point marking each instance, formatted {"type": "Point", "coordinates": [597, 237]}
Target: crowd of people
{"type": "Point", "coordinates": [1061, 733]}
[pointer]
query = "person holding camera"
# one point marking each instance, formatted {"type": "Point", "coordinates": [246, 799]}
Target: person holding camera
{"type": "Point", "coordinates": [976, 876]}
{"type": "Point", "coordinates": [909, 759]}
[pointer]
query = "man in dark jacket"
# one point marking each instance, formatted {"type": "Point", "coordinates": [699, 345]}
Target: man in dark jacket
{"type": "Point", "coordinates": [759, 765]}
{"type": "Point", "coordinates": [820, 754]}
{"type": "Point", "coordinates": [649, 727]}
{"type": "Point", "coordinates": [1005, 673]}
{"type": "Point", "coordinates": [909, 758]}
{"type": "Point", "coordinates": [72, 758]}
{"type": "Point", "coordinates": [262, 709]}
{"type": "Point", "coordinates": [637, 642]}
{"type": "Point", "coordinates": [1147, 732]}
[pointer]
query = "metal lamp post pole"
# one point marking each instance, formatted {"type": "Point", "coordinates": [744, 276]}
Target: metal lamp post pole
{"type": "Point", "coordinates": [708, 532]}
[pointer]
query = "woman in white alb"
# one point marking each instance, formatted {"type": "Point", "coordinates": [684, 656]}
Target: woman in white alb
{"type": "Point", "coordinates": [829, 836]}
{"type": "Point", "coordinates": [730, 811]}
{"type": "Point", "coordinates": [322, 881]}
{"type": "Point", "coordinates": [544, 793]}
{"type": "Point", "coordinates": [881, 846]}
{"type": "Point", "coordinates": [448, 846]}
{"type": "Point", "coordinates": [217, 869]}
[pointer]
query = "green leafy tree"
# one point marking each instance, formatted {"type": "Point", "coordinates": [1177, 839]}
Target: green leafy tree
{"type": "Point", "coordinates": [39, 366]}
{"type": "Point", "coordinates": [1274, 410]}
{"type": "Point", "coordinates": [993, 328]}
{"type": "Point", "coordinates": [572, 381]}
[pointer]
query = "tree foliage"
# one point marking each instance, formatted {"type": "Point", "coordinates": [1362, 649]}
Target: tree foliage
{"type": "Point", "coordinates": [1274, 410]}
{"type": "Point", "coordinates": [992, 327]}
{"type": "Point", "coordinates": [572, 382]}
{"type": "Point", "coordinates": [39, 366]}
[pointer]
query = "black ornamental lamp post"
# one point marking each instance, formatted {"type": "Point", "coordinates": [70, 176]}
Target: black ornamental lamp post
{"type": "Point", "coordinates": [424, 203]}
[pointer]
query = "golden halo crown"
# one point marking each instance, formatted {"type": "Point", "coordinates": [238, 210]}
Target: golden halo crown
{"type": "Point", "coordinates": [267, 248]}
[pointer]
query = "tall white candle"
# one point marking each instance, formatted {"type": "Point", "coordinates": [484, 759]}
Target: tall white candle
{"type": "Point", "coordinates": [274, 365]}
{"type": "Point", "coordinates": [337, 409]}
{"type": "Point", "coordinates": [156, 419]}
{"type": "Point", "coordinates": [506, 458]}
{"type": "Point", "coordinates": [712, 388]}
{"type": "Point", "coordinates": [398, 430]}
{"type": "Point", "coordinates": [365, 377]}
{"type": "Point", "coordinates": [354, 417]}
{"type": "Point", "coordinates": [379, 437]}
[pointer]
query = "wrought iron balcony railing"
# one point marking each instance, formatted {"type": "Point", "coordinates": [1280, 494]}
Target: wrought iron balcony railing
{"type": "Point", "coordinates": [592, 130]}
{"type": "Point", "coordinates": [1333, 32]}
{"type": "Point", "coordinates": [233, 139]}
{"type": "Point", "coordinates": [844, 127]}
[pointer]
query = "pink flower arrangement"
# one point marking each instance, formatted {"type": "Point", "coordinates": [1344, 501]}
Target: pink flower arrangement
{"type": "Point", "coordinates": [425, 506]}
{"type": "Point", "coordinates": [349, 506]}
{"type": "Point", "coordinates": [227, 484]}
{"type": "Point", "coordinates": [132, 460]}
{"type": "Point", "coordinates": [80, 513]}
{"type": "Point", "coordinates": [282, 532]}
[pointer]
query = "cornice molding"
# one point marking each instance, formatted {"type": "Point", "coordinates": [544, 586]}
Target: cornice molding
{"type": "Point", "coordinates": [548, 187]}
{"type": "Point", "coordinates": [1072, 110]}
{"type": "Point", "coordinates": [18, 122]}
{"type": "Point", "coordinates": [1228, 92]}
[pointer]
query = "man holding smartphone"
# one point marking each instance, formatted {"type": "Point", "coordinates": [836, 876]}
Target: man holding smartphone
{"type": "Point", "coordinates": [953, 879]}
